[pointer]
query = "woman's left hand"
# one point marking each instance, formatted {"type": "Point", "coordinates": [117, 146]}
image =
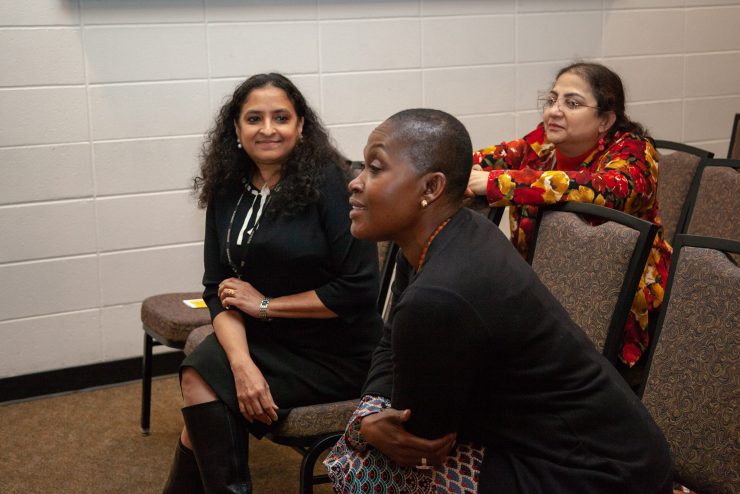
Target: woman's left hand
{"type": "Point", "coordinates": [234, 292]}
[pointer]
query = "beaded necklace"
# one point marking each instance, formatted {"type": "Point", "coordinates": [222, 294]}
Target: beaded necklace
{"type": "Point", "coordinates": [429, 242]}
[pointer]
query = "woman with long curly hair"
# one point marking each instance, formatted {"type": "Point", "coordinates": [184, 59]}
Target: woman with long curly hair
{"type": "Point", "coordinates": [290, 291]}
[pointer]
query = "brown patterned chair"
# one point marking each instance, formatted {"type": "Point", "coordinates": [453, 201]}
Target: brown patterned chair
{"type": "Point", "coordinates": [313, 429]}
{"type": "Point", "coordinates": [166, 321]}
{"type": "Point", "coordinates": [734, 152]}
{"type": "Point", "coordinates": [677, 169]}
{"type": "Point", "coordinates": [597, 276]}
{"type": "Point", "coordinates": [693, 383]}
{"type": "Point", "coordinates": [713, 205]}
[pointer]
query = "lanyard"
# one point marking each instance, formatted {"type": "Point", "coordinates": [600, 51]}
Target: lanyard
{"type": "Point", "coordinates": [264, 197]}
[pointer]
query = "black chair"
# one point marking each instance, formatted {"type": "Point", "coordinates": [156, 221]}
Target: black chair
{"type": "Point", "coordinates": [677, 170]}
{"type": "Point", "coordinates": [694, 371]}
{"type": "Point", "coordinates": [166, 320]}
{"type": "Point", "coordinates": [597, 279]}
{"type": "Point", "coordinates": [734, 152]}
{"type": "Point", "coordinates": [713, 203]}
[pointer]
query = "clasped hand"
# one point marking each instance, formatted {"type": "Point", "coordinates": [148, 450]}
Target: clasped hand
{"type": "Point", "coordinates": [234, 292]}
{"type": "Point", "coordinates": [386, 433]}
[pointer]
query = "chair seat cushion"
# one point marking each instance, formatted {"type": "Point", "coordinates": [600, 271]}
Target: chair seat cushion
{"type": "Point", "coordinates": [171, 320]}
{"type": "Point", "coordinates": [315, 420]}
{"type": "Point", "coordinates": [196, 337]}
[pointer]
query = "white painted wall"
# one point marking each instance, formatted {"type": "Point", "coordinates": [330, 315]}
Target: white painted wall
{"type": "Point", "coordinates": [104, 103]}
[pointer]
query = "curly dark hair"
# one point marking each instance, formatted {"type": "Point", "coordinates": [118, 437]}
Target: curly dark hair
{"type": "Point", "coordinates": [224, 166]}
{"type": "Point", "coordinates": [609, 93]}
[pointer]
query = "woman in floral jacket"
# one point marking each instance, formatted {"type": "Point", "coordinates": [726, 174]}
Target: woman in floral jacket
{"type": "Point", "coordinates": [587, 150]}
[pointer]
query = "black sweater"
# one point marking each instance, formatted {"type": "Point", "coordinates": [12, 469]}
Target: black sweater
{"type": "Point", "coordinates": [476, 344]}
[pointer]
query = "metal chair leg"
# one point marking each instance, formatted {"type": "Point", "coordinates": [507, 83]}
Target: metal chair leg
{"type": "Point", "coordinates": [146, 385]}
{"type": "Point", "coordinates": [308, 480]}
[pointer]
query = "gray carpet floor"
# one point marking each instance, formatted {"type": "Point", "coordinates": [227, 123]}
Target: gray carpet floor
{"type": "Point", "coordinates": [89, 442]}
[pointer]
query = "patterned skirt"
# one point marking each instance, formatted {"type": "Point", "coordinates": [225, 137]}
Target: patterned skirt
{"type": "Point", "coordinates": [356, 467]}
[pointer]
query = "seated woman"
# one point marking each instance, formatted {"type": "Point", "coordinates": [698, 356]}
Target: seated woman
{"type": "Point", "coordinates": [477, 350]}
{"type": "Point", "coordinates": [587, 150]}
{"type": "Point", "coordinates": [291, 292]}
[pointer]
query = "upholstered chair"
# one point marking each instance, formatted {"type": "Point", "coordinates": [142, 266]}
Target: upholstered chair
{"type": "Point", "coordinates": [677, 166]}
{"type": "Point", "coordinates": [313, 429]}
{"type": "Point", "coordinates": [693, 383]}
{"type": "Point", "coordinates": [734, 152]}
{"type": "Point", "coordinates": [166, 320]}
{"type": "Point", "coordinates": [713, 205]}
{"type": "Point", "coordinates": [597, 279]}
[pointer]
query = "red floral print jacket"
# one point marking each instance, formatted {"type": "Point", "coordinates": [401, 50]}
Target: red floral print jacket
{"type": "Point", "coordinates": [620, 174]}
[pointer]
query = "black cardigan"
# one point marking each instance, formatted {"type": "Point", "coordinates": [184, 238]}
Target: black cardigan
{"type": "Point", "coordinates": [476, 344]}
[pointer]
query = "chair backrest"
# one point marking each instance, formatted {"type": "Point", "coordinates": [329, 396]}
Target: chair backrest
{"type": "Point", "coordinates": [480, 205]}
{"type": "Point", "coordinates": [593, 271]}
{"type": "Point", "coordinates": [734, 152]}
{"type": "Point", "coordinates": [693, 377]}
{"type": "Point", "coordinates": [713, 204]}
{"type": "Point", "coordinates": [387, 270]}
{"type": "Point", "coordinates": [677, 169]}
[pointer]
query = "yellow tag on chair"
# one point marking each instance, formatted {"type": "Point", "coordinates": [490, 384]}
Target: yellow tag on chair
{"type": "Point", "coordinates": [195, 303]}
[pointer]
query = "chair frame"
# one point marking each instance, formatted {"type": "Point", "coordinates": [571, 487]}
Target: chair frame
{"type": "Point", "coordinates": [644, 243]}
{"type": "Point", "coordinates": [684, 148]}
{"type": "Point", "coordinates": [733, 136]}
{"type": "Point", "coordinates": [151, 339]}
{"type": "Point", "coordinates": [495, 214]}
{"type": "Point", "coordinates": [682, 240]}
{"type": "Point", "coordinates": [688, 209]}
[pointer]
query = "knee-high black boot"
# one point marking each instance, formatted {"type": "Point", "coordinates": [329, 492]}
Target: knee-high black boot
{"type": "Point", "coordinates": [184, 474]}
{"type": "Point", "coordinates": [220, 442]}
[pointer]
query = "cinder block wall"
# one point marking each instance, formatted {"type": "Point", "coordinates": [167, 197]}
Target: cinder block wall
{"type": "Point", "coordinates": [104, 104]}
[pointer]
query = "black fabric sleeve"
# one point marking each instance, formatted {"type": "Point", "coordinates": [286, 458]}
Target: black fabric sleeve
{"type": "Point", "coordinates": [355, 262]}
{"type": "Point", "coordinates": [437, 342]}
{"type": "Point", "coordinates": [215, 271]}
{"type": "Point", "coordinates": [379, 380]}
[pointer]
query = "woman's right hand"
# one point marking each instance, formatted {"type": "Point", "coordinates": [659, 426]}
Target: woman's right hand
{"type": "Point", "coordinates": [253, 393]}
{"type": "Point", "coordinates": [385, 432]}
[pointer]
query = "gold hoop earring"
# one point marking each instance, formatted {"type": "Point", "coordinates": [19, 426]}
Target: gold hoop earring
{"type": "Point", "coordinates": [424, 203]}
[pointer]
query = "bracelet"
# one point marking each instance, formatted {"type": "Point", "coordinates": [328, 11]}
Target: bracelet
{"type": "Point", "coordinates": [263, 309]}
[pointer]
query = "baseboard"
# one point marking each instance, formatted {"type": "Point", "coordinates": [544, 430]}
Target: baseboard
{"type": "Point", "coordinates": [85, 376]}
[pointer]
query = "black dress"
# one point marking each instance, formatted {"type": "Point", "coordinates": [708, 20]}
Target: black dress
{"type": "Point", "coordinates": [476, 344]}
{"type": "Point", "coordinates": [305, 361]}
